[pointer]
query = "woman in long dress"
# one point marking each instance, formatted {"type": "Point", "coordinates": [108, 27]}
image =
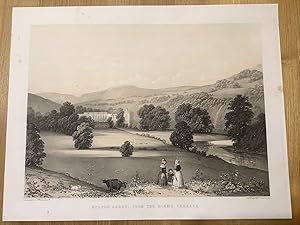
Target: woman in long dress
{"type": "Point", "coordinates": [162, 175]}
{"type": "Point", "coordinates": [178, 178]}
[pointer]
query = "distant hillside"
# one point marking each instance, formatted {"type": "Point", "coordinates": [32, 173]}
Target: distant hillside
{"type": "Point", "coordinates": [59, 98]}
{"type": "Point", "coordinates": [40, 104]}
{"type": "Point", "coordinates": [214, 97]}
{"type": "Point", "coordinates": [117, 93]}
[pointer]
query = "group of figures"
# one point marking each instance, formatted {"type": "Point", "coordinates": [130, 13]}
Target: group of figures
{"type": "Point", "coordinates": [170, 177]}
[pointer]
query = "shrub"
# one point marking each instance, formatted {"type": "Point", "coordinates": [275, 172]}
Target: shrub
{"type": "Point", "coordinates": [126, 149]}
{"type": "Point", "coordinates": [34, 146]}
{"type": "Point", "coordinates": [83, 136]}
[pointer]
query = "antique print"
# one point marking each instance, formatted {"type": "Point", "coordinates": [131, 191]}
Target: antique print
{"type": "Point", "coordinates": [147, 111]}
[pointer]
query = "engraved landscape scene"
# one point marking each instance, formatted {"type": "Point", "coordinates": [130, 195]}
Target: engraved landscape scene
{"type": "Point", "coordinates": [146, 111]}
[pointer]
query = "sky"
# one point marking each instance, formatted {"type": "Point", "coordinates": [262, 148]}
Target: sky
{"type": "Point", "coordinates": [78, 59]}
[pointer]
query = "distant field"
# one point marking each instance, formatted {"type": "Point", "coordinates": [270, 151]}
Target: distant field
{"type": "Point", "coordinates": [165, 135]}
{"type": "Point", "coordinates": [104, 160]}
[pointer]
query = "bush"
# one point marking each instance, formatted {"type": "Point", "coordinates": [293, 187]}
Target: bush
{"type": "Point", "coordinates": [182, 136]}
{"type": "Point", "coordinates": [83, 136]}
{"type": "Point", "coordinates": [126, 149]}
{"type": "Point", "coordinates": [34, 146]}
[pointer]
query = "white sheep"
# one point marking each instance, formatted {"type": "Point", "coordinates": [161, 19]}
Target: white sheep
{"type": "Point", "coordinates": [75, 187]}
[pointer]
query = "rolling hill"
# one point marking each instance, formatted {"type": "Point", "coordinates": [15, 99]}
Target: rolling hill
{"type": "Point", "coordinates": [215, 97]}
{"type": "Point", "coordinates": [42, 105]}
{"type": "Point", "coordinates": [117, 93]}
{"type": "Point", "coordinates": [59, 98]}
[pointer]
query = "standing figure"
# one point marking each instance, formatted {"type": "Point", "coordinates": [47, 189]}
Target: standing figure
{"type": "Point", "coordinates": [178, 178]}
{"type": "Point", "coordinates": [170, 176]}
{"type": "Point", "coordinates": [162, 175]}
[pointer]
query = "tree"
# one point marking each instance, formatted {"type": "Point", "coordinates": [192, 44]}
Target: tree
{"type": "Point", "coordinates": [160, 119]}
{"type": "Point", "coordinates": [62, 124]}
{"type": "Point", "coordinates": [182, 136]}
{"type": "Point", "coordinates": [183, 113]}
{"type": "Point", "coordinates": [120, 119]}
{"type": "Point", "coordinates": [67, 109]}
{"type": "Point", "coordinates": [110, 122]}
{"type": "Point", "coordinates": [238, 118]}
{"type": "Point", "coordinates": [72, 124]}
{"type": "Point", "coordinates": [198, 119]}
{"type": "Point", "coordinates": [88, 120]}
{"type": "Point", "coordinates": [80, 109]}
{"type": "Point", "coordinates": [52, 120]}
{"type": "Point", "coordinates": [34, 146]}
{"type": "Point", "coordinates": [255, 139]}
{"type": "Point", "coordinates": [30, 115]}
{"type": "Point", "coordinates": [153, 118]}
{"type": "Point", "coordinates": [83, 136]}
{"type": "Point", "coordinates": [145, 119]}
{"type": "Point", "coordinates": [126, 149]}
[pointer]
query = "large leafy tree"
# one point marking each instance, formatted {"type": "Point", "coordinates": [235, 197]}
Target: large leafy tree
{"type": "Point", "coordinates": [182, 136]}
{"type": "Point", "coordinates": [34, 146]}
{"type": "Point", "coordinates": [67, 109]}
{"type": "Point", "coordinates": [120, 119]}
{"type": "Point", "coordinates": [110, 122]}
{"type": "Point", "coordinates": [52, 120]}
{"type": "Point", "coordinates": [72, 123]}
{"type": "Point", "coordinates": [238, 118]}
{"type": "Point", "coordinates": [255, 139]}
{"type": "Point", "coordinates": [145, 118]}
{"type": "Point", "coordinates": [198, 119]}
{"type": "Point", "coordinates": [88, 120]}
{"type": "Point", "coordinates": [30, 115]}
{"type": "Point", "coordinates": [160, 119]}
{"type": "Point", "coordinates": [83, 136]}
{"type": "Point", "coordinates": [154, 118]}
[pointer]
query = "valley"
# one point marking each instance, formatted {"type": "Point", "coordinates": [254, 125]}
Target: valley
{"type": "Point", "coordinates": [214, 98]}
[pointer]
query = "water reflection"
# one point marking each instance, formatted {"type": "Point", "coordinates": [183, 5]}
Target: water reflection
{"type": "Point", "coordinates": [223, 149]}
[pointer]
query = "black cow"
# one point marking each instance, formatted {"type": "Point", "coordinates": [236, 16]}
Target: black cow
{"type": "Point", "coordinates": [114, 184]}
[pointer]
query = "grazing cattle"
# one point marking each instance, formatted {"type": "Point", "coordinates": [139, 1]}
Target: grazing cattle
{"type": "Point", "coordinates": [114, 184]}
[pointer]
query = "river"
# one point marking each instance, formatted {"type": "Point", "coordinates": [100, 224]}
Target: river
{"type": "Point", "coordinates": [221, 148]}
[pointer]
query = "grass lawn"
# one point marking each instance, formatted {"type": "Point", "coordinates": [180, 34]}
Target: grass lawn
{"type": "Point", "coordinates": [104, 160]}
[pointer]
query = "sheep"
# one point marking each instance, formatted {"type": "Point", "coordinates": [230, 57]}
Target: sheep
{"type": "Point", "coordinates": [75, 187]}
{"type": "Point", "coordinates": [114, 184]}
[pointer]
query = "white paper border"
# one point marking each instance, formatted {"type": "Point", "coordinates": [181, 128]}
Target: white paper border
{"type": "Point", "coordinates": [277, 205]}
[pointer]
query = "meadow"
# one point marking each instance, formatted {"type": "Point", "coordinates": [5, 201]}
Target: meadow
{"type": "Point", "coordinates": [104, 160]}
